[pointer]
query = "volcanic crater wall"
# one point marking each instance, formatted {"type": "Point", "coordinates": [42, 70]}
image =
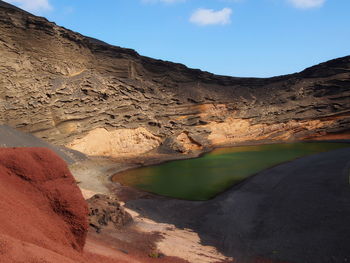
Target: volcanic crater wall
{"type": "Point", "coordinates": [66, 88]}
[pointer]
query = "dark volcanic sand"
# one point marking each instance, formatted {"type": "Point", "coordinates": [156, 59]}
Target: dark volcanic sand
{"type": "Point", "coordinates": [296, 212]}
{"type": "Point", "coordinates": [10, 137]}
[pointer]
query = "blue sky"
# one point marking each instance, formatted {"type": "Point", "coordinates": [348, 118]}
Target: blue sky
{"type": "Point", "coordinates": [257, 38]}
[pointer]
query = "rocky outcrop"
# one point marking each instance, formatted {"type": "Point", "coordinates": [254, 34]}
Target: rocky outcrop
{"type": "Point", "coordinates": [121, 142]}
{"type": "Point", "coordinates": [106, 212]}
{"type": "Point", "coordinates": [65, 88]}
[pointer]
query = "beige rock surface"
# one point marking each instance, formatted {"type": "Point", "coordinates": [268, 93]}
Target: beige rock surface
{"type": "Point", "coordinates": [240, 130]}
{"type": "Point", "coordinates": [117, 143]}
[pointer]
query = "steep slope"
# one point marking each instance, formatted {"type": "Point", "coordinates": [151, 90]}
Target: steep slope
{"type": "Point", "coordinates": [10, 137]}
{"type": "Point", "coordinates": [43, 214]}
{"type": "Point", "coordinates": [71, 90]}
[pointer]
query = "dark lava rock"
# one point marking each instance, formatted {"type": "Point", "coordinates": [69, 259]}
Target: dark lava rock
{"type": "Point", "coordinates": [106, 211]}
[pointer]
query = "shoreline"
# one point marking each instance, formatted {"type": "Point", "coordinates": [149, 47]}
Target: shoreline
{"type": "Point", "coordinates": [179, 157]}
{"type": "Point", "coordinates": [159, 209]}
{"type": "Point", "coordinates": [96, 173]}
{"type": "Point", "coordinates": [148, 159]}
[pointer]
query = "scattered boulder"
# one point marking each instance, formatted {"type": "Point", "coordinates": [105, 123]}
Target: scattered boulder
{"type": "Point", "coordinates": [106, 211]}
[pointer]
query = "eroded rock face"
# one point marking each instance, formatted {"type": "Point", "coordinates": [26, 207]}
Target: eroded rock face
{"type": "Point", "coordinates": [120, 142]}
{"type": "Point", "coordinates": [65, 87]}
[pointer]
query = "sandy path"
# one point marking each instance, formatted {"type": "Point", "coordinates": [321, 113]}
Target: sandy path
{"type": "Point", "coordinates": [182, 243]}
{"type": "Point", "coordinates": [93, 174]}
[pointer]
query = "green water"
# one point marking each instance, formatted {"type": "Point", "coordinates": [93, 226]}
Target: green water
{"type": "Point", "coordinates": [213, 173]}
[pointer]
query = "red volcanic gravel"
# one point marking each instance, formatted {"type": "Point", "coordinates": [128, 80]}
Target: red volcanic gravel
{"type": "Point", "coordinates": [42, 211]}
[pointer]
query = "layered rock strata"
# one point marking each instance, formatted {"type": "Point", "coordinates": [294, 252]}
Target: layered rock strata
{"type": "Point", "coordinates": [67, 88]}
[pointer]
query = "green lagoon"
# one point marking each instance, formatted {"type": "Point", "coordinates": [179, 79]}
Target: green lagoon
{"type": "Point", "coordinates": [205, 177]}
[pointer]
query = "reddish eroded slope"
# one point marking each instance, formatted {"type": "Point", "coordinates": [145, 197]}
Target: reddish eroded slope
{"type": "Point", "coordinates": [43, 216]}
{"type": "Point", "coordinates": [42, 210]}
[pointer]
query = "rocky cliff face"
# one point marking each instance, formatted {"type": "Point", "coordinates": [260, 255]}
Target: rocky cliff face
{"type": "Point", "coordinates": [72, 90]}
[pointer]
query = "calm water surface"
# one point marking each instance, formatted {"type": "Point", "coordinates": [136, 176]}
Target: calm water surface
{"type": "Point", "coordinates": [205, 177]}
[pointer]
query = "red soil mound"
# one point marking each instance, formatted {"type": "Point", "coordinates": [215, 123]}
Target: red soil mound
{"type": "Point", "coordinates": [42, 211]}
{"type": "Point", "coordinates": [43, 216]}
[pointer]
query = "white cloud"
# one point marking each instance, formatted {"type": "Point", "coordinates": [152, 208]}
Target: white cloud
{"type": "Point", "coordinates": [32, 5]}
{"type": "Point", "coordinates": [305, 4]}
{"type": "Point", "coordinates": [204, 17]}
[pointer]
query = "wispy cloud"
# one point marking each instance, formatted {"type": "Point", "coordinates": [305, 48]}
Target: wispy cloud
{"type": "Point", "coordinates": [32, 5]}
{"type": "Point", "coordinates": [204, 17]}
{"type": "Point", "coordinates": [306, 4]}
